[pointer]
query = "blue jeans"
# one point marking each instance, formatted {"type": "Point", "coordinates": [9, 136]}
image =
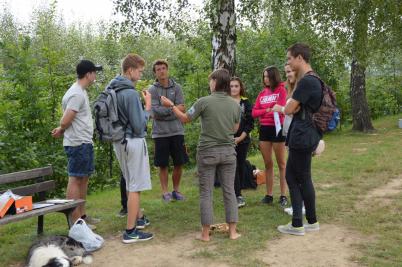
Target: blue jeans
{"type": "Point", "coordinates": [80, 160]}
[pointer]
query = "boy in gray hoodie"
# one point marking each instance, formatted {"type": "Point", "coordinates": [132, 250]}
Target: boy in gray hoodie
{"type": "Point", "coordinates": [167, 130]}
{"type": "Point", "coordinates": [132, 152]}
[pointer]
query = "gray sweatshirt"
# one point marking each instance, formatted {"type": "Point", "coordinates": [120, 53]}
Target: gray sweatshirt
{"type": "Point", "coordinates": [165, 122]}
{"type": "Point", "coordinates": [130, 107]}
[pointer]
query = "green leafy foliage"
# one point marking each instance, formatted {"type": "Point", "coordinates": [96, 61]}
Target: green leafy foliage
{"type": "Point", "coordinates": [37, 66]}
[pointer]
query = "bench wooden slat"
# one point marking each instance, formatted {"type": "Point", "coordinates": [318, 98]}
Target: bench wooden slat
{"type": "Point", "coordinates": [39, 187]}
{"type": "Point", "coordinates": [37, 212]}
{"type": "Point", "coordinates": [25, 175]}
{"type": "Point", "coordinates": [30, 190]}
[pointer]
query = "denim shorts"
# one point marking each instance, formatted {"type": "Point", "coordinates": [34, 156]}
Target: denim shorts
{"type": "Point", "coordinates": [80, 160]}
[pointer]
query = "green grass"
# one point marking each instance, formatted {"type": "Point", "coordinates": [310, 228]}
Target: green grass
{"type": "Point", "coordinates": [352, 165]}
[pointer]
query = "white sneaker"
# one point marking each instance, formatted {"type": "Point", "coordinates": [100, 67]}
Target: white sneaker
{"type": "Point", "coordinates": [290, 210]}
{"type": "Point", "coordinates": [312, 227]}
{"type": "Point", "coordinates": [289, 229]}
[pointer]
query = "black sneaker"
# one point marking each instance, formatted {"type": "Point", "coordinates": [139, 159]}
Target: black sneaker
{"type": "Point", "coordinates": [283, 201]}
{"type": "Point", "coordinates": [240, 202]}
{"type": "Point", "coordinates": [122, 212]}
{"type": "Point", "coordinates": [267, 199]}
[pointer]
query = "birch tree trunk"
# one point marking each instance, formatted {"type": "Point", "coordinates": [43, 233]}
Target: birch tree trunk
{"type": "Point", "coordinates": [360, 110]}
{"type": "Point", "coordinates": [223, 35]}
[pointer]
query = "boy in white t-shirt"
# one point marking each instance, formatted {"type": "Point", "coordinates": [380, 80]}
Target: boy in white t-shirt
{"type": "Point", "coordinates": [76, 127]}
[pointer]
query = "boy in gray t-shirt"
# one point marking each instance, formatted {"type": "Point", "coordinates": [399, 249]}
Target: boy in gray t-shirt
{"type": "Point", "coordinates": [81, 128]}
{"type": "Point", "coordinates": [77, 128]}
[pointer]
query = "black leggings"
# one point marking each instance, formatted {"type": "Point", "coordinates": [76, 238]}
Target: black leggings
{"type": "Point", "coordinates": [301, 188]}
{"type": "Point", "coordinates": [241, 150]}
{"type": "Point", "coordinates": [123, 192]}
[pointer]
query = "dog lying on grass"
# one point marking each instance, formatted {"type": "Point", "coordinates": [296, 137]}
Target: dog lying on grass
{"type": "Point", "coordinates": [57, 251]}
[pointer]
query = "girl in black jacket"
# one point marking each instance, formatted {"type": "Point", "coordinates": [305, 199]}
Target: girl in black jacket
{"type": "Point", "coordinates": [242, 137]}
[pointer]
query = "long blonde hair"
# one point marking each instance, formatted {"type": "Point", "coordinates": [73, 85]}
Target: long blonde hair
{"type": "Point", "coordinates": [290, 87]}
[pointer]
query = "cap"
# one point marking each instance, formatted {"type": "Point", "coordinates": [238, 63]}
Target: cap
{"type": "Point", "coordinates": [86, 66]}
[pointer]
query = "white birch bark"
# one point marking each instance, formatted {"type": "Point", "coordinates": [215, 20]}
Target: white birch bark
{"type": "Point", "coordinates": [224, 36]}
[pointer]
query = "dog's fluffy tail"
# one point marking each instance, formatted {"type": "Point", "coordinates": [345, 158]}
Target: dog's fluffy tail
{"type": "Point", "coordinates": [87, 259]}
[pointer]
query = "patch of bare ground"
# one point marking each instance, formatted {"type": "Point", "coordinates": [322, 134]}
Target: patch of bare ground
{"type": "Point", "coordinates": [359, 150]}
{"type": "Point", "coordinates": [382, 195]}
{"type": "Point", "coordinates": [176, 252]}
{"type": "Point", "coordinates": [326, 185]}
{"type": "Point", "coordinates": [331, 246]}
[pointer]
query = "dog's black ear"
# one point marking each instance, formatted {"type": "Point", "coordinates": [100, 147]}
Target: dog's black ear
{"type": "Point", "coordinates": [58, 262]}
{"type": "Point", "coordinates": [73, 242]}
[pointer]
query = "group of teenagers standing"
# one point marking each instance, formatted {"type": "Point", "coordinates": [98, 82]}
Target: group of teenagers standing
{"type": "Point", "coordinates": [284, 111]}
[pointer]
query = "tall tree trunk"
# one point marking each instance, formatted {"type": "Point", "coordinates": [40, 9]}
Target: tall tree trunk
{"type": "Point", "coordinates": [223, 35]}
{"type": "Point", "coordinates": [360, 110]}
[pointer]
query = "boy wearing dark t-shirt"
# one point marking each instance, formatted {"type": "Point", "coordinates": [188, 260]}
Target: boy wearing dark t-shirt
{"type": "Point", "coordinates": [303, 139]}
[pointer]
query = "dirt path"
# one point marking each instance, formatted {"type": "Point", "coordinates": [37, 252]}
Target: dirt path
{"type": "Point", "coordinates": [177, 252]}
{"type": "Point", "coordinates": [331, 246]}
{"type": "Point", "coordinates": [383, 194]}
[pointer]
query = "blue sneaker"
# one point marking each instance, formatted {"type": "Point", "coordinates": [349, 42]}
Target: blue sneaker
{"type": "Point", "coordinates": [177, 195]}
{"type": "Point", "coordinates": [136, 236]}
{"type": "Point", "coordinates": [142, 222]}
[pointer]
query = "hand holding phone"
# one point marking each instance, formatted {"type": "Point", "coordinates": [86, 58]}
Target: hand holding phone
{"type": "Point", "coordinates": [166, 102]}
{"type": "Point", "coordinates": [147, 98]}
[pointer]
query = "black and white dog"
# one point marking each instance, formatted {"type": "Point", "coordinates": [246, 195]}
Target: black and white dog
{"type": "Point", "coordinates": [57, 251]}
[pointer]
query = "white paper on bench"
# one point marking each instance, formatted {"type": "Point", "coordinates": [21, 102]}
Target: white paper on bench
{"type": "Point", "coordinates": [41, 205]}
{"type": "Point", "coordinates": [59, 201]}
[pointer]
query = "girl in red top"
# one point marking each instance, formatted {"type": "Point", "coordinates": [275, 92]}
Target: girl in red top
{"type": "Point", "coordinates": [274, 92]}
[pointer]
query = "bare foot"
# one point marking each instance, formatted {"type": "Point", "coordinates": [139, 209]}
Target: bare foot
{"type": "Point", "coordinates": [202, 238]}
{"type": "Point", "coordinates": [234, 236]}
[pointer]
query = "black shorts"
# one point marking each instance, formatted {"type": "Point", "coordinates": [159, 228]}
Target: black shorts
{"type": "Point", "coordinates": [268, 134]}
{"type": "Point", "coordinates": [173, 146]}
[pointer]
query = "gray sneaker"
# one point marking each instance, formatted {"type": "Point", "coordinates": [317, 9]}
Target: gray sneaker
{"type": "Point", "coordinates": [289, 229]}
{"type": "Point", "coordinates": [311, 227]}
{"type": "Point", "coordinates": [167, 197]}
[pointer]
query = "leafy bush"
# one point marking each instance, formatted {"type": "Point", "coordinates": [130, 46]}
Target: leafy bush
{"type": "Point", "coordinates": [382, 97]}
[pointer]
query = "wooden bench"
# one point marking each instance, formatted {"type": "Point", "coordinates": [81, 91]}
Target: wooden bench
{"type": "Point", "coordinates": [39, 187]}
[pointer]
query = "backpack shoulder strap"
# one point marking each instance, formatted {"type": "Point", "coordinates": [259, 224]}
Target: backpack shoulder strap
{"type": "Point", "coordinates": [315, 75]}
{"type": "Point", "coordinates": [304, 109]}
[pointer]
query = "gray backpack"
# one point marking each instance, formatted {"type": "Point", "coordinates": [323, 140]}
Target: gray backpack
{"type": "Point", "coordinates": [108, 127]}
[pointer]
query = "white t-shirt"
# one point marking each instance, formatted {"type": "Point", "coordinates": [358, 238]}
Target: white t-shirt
{"type": "Point", "coordinates": [81, 129]}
